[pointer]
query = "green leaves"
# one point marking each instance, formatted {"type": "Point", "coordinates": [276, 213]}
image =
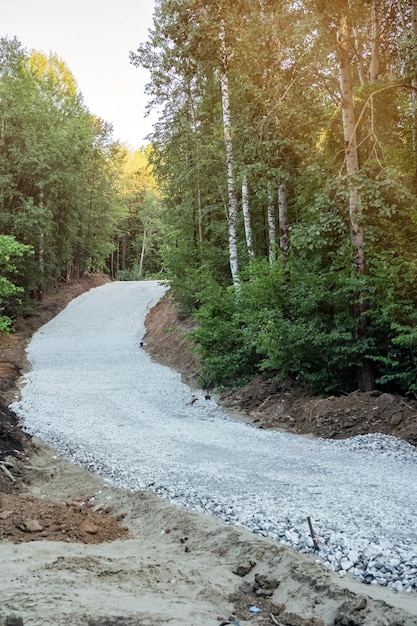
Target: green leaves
{"type": "Point", "coordinates": [59, 169]}
{"type": "Point", "coordinates": [10, 251]}
{"type": "Point", "coordinates": [342, 299]}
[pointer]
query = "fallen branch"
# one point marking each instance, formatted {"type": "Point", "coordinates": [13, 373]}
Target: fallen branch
{"type": "Point", "coordinates": [6, 463]}
{"type": "Point", "coordinates": [313, 536]}
{"type": "Point", "coordinates": [407, 405]}
{"type": "Point", "coordinates": [7, 473]}
{"type": "Point", "coordinates": [264, 402]}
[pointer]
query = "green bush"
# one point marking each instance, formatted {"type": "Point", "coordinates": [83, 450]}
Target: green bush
{"type": "Point", "coordinates": [10, 250]}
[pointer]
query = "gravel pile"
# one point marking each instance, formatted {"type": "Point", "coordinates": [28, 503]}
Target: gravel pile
{"type": "Point", "coordinates": [96, 396]}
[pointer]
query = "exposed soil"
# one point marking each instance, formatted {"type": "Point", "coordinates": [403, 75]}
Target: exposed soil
{"type": "Point", "coordinates": [25, 518]}
{"type": "Point", "coordinates": [107, 557]}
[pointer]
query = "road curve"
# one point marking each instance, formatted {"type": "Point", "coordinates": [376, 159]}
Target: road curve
{"type": "Point", "coordinates": [97, 397]}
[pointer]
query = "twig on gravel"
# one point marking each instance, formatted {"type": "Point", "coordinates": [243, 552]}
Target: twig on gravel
{"type": "Point", "coordinates": [275, 620]}
{"type": "Point", "coordinates": [313, 536]}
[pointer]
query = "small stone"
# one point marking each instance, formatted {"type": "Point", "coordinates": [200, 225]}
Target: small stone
{"type": "Point", "coordinates": [244, 568]}
{"type": "Point", "coordinates": [264, 593]}
{"type": "Point", "coordinates": [32, 526]}
{"type": "Point", "coordinates": [88, 527]}
{"type": "Point", "coordinates": [386, 399]}
{"type": "Point", "coordinates": [266, 582]}
{"type": "Point", "coordinates": [396, 419]}
{"type": "Point", "coordinates": [5, 514]}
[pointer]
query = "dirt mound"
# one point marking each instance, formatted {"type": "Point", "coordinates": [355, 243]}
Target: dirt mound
{"type": "Point", "coordinates": [168, 340]}
{"type": "Point", "coordinates": [271, 404]}
{"type": "Point", "coordinates": [24, 518]}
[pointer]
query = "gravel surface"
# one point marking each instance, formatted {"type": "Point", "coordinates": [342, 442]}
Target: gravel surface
{"type": "Point", "coordinates": [95, 395]}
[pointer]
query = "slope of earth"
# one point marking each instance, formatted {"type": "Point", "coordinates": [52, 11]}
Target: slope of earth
{"type": "Point", "coordinates": [107, 557]}
{"type": "Point", "coordinates": [268, 403]}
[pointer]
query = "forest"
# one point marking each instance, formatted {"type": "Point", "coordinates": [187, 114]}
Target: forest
{"type": "Point", "coordinates": [277, 196]}
{"type": "Point", "coordinates": [286, 153]}
{"type": "Point", "coordinates": [72, 200]}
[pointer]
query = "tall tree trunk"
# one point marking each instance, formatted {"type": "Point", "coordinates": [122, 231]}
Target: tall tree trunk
{"type": "Point", "coordinates": [142, 252]}
{"type": "Point", "coordinates": [359, 58]}
{"type": "Point", "coordinates": [283, 223]}
{"type": "Point", "coordinates": [376, 33]}
{"type": "Point", "coordinates": [198, 169]}
{"type": "Point", "coordinates": [227, 130]}
{"type": "Point", "coordinates": [123, 254]}
{"type": "Point", "coordinates": [271, 225]}
{"type": "Point", "coordinates": [246, 215]}
{"type": "Point", "coordinates": [365, 377]}
{"type": "Point", "coordinates": [414, 84]}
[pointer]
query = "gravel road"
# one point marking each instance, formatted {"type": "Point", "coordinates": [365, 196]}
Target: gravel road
{"type": "Point", "coordinates": [96, 396]}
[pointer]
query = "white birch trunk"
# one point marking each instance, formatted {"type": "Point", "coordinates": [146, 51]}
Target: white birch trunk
{"type": "Point", "coordinates": [351, 147]}
{"type": "Point", "coordinates": [359, 57]}
{"type": "Point", "coordinates": [246, 215]}
{"type": "Point", "coordinates": [142, 252]}
{"type": "Point", "coordinates": [283, 222]}
{"type": "Point", "coordinates": [376, 33]}
{"type": "Point", "coordinates": [271, 225]}
{"type": "Point", "coordinates": [227, 130]}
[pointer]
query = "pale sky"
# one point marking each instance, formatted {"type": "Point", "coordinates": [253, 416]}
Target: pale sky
{"type": "Point", "coordinates": [93, 37]}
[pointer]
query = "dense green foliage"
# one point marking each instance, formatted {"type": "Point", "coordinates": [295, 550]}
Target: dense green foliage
{"type": "Point", "coordinates": [10, 253]}
{"type": "Point", "coordinates": [318, 314]}
{"type": "Point", "coordinates": [67, 189]}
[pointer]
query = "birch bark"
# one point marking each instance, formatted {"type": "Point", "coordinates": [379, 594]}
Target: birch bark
{"type": "Point", "coordinates": [227, 130]}
{"type": "Point", "coordinates": [351, 147]}
{"type": "Point", "coordinates": [271, 225]}
{"type": "Point", "coordinates": [376, 33]}
{"type": "Point", "coordinates": [246, 215]}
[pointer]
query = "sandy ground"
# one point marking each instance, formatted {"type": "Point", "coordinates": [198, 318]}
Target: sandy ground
{"type": "Point", "coordinates": [176, 568]}
{"type": "Point", "coordinates": [139, 560]}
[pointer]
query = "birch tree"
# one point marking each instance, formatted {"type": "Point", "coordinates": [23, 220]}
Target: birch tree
{"type": "Point", "coordinates": [230, 162]}
{"type": "Point", "coordinates": [246, 214]}
{"type": "Point", "coordinates": [271, 225]}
